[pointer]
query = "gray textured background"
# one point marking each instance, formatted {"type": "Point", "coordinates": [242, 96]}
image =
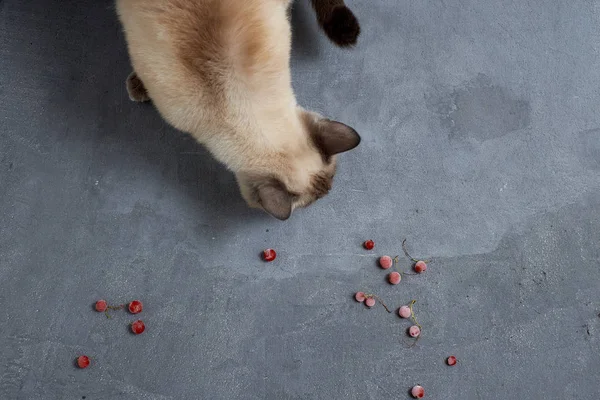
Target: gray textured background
{"type": "Point", "coordinates": [481, 145]}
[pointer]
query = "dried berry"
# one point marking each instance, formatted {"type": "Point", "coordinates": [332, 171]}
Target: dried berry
{"type": "Point", "coordinates": [135, 307]}
{"type": "Point", "coordinates": [101, 305]}
{"type": "Point", "coordinates": [386, 262]}
{"type": "Point", "coordinates": [394, 278]}
{"type": "Point", "coordinates": [138, 327]}
{"type": "Point", "coordinates": [421, 266]}
{"type": "Point", "coordinates": [359, 296]}
{"type": "Point", "coordinates": [414, 331]}
{"type": "Point", "coordinates": [417, 392]}
{"type": "Point", "coordinates": [369, 244]}
{"type": "Point", "coordinates": [451, 361]}
{"type": "Point", "coordinates": [404, 312]}
{"type": "Point", "coordinates": [83, 361]}
{"type": "Point", "coordinates": [269, 255]}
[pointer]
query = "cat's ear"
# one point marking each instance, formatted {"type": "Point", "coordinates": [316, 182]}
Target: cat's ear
{"type": "Point", "coordinates": [332, 137]}
{"type": "Point", "coordinates": [275, 198]}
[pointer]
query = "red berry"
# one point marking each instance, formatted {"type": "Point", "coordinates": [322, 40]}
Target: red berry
{"type": "Point", "coordinates": [369, 244]}
{"type": "Point", "coordinates": [359, 296]}
{"type": "Point", "coordinates": [101, 305]}
{"type": "Point", "coordinates": [138, 327]}
{"type": "Point", "coordinates": [269, 255]}
{"type": "Point", "coordinates": [420, 266]}
{"type": "Point", "coordinates": [451, 361]}
{"type": "Point", "coordinates": [370, 302]}
{"type": "Point", "coordinates": [404, 312]}
{"type": "Point", "coordinates": [386, 262]}
{"type": "Point", "coordinates": [414, 331]}
{"type": "Point", "coordinates": [135, 307]}
{"type": "Point", "coordinates": [83, 361]}
{"type": "Point", "coordinates": [417, 392]}
{"type": "Point", "coordinates": [394, 278]}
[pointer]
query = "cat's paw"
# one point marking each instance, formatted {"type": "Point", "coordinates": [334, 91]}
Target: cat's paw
{"type": "Point", "coordinates": [136, 89]}
{"type": "Point", "coordinates": [342, 27]}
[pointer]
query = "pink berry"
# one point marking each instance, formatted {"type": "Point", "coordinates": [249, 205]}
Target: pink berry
{"type": "Point", "coordinates": [135, 307]}
{"type": "Point", "coordinates": [359, 296]}
{"type": "Point", "coordinates": [414, 331]}
{"type": "Point", "coordinates": [394, 278]}
{"type": "Point", "coordinates": [138, 327]}
{"type": "Point", "coordinates": [420, 266]}
{"type": "Point", "coordinates": [101, 305]}
{"type": "Point", "coordinates": [386, 262]}
{"type": "Point", "coordinates": [269, 255]}
{"type": "Point", "coordinates": [451, 361]}
{"type": "Point", "coordinates": [404, 312]}
{"type": "Point", "coordinates": [370, 302]}
{"type": "Point", "coordinates": [417, 392]}
{"type": "Point", "coordinates": [83, 361]}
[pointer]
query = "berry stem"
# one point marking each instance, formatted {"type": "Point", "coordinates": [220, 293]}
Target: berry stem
{"type": "Point", "coordinates": [412, 314]}
{"type": "Point", "coordinates": [381, 301]}
{"type": "Point", "coordinates": [408, 255]}
{"type": "Point", "coordinates": [406, 251]}
{"type": "Point", "coordinates": [396, 261]}
{"type": "Point", "coordinates": [114, 308]}
{"type": "Point", "coordinates": [414, 320]}
{"type": "Point", "coordinates": [408, 273]}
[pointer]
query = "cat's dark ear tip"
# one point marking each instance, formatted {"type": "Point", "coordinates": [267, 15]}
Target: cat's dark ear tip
{"type": "Point", "coordinates": [354, 138]}
{"type": "Point", "coordinates": [342, 27]}
{"type": "Point", "coordinates": [358, 139]}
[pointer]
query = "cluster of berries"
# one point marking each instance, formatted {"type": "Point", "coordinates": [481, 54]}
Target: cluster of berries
{"type": "Point", "coordinates": [137, 327]}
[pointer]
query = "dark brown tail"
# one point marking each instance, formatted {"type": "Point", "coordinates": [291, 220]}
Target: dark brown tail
{"type": "Point", "coordinates": [338, 22]}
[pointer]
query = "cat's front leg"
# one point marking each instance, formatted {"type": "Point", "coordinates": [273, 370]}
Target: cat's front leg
{"type": "Point", "coordinates": [338, 21]}
{"type": "Point", "coordinates": [136, 89]}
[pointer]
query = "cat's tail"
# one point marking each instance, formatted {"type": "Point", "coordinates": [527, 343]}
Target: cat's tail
{"type": "Point", "coordinates": [338, 21]}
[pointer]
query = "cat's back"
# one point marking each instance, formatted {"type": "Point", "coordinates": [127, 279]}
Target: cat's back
{"type": "Point", "coordinates": [198, 52]}
{"type": "Point", "coordinates": [176, 46]}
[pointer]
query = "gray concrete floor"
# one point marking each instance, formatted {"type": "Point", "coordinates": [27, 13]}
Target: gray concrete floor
{"type": "Point", "coordinates": [481, 145]}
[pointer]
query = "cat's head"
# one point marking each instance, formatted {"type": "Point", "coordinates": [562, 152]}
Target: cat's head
{"type": "Point", "coordinates": [302, 172]}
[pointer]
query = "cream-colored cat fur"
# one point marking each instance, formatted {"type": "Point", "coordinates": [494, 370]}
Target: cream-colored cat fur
{"type": "Point", "coordinates": [219, 70]}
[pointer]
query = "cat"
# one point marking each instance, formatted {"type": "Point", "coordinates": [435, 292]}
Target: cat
{"type": "Point", "coordinates": [220, 71]}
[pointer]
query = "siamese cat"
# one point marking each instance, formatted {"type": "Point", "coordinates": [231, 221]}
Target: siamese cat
{"type": "Point", "coordinates": [220, 71]}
